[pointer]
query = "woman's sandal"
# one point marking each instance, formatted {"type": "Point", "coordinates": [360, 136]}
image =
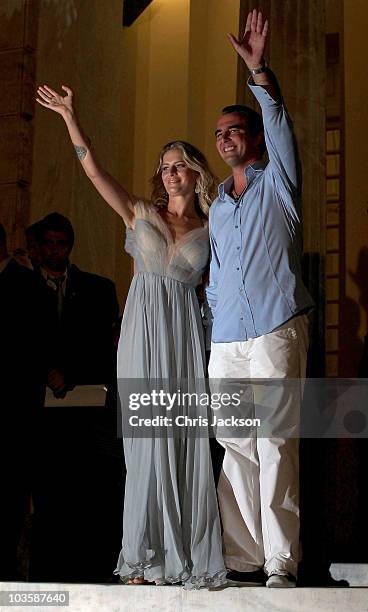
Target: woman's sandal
{"type": "Point", "coordinates": [141, 580]}
{"type": "Point", "coordinates": [138, 580]}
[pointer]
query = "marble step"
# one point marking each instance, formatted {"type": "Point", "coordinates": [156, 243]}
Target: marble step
{"type": "Point", "coordinates": [122, 598]}
{"type": "Point", "coordinates": [355, 573]}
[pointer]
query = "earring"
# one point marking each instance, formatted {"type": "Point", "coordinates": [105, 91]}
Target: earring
{"type": "Point", "coordinates": [197, 189]}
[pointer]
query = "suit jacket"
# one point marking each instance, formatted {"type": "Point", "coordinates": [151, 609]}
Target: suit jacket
{"type": "Point", "coordinates": [26, 325]}
{"type": "Point", "coordinates": [83, 345]}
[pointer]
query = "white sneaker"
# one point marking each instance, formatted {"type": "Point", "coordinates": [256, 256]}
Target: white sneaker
{"type": "Point", "coordinates": [281, 581]}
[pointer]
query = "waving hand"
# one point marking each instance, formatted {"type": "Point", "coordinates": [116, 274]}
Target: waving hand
{"type": "Point", "coordinates": [56, 102]}
{"type": "Point", "coordinates": [251, 47]}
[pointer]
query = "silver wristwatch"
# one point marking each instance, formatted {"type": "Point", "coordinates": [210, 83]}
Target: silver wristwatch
{"type": "Point", "coordinates": [258, 70]}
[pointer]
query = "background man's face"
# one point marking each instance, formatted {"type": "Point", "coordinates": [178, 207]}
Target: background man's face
{"type": "Point", "coordinates": [234, 143]}
{"type": "Point", "coordinates": [55, 250]}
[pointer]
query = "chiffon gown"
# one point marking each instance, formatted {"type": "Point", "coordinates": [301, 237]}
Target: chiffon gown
{"type": "Point", "coordinates": [171, 526]}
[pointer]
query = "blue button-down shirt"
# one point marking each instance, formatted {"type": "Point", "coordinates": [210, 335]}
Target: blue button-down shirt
{"type": "Point", "coordinates": [255, 275]}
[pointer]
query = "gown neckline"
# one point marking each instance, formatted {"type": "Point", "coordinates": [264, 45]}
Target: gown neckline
{"type": "Point", "coordinates": [168, 234]}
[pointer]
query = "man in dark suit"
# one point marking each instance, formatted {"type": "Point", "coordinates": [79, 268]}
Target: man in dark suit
{"type": "Point", "coordinates": [80, 481]}
{"type": "Point", "coordinates": [86, 307]}
{"type": "Point", "coordinates": [25, 326]}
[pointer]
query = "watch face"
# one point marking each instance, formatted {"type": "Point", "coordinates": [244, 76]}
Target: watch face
{"type": "Point", "coordinates": [258, 70]}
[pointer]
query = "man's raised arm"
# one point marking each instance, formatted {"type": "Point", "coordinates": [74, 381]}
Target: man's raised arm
{"type": "Point", "coordinates": [278, 131]}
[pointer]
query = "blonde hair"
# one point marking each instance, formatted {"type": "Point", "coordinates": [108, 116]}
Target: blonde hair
{"type": "Point", "coordinates": [206, 182]}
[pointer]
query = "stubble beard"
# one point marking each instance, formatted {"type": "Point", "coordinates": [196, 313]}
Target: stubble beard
{"type": "Point", "coordinates": [233, 162]}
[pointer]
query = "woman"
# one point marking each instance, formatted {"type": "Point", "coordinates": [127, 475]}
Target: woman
{"type": "Point", "coordinates": [171, 523]}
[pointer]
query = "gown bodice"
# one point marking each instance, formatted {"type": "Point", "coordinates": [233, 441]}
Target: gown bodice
{"type": "Point", "coordinates": [152, 246]}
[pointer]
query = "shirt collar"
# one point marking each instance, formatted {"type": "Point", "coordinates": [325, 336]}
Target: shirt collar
{"type": "Point", "coordinates": [250, 172]}
{"type": "Point", "coordinates": [53, 281]}
{"type": "Point", "coordinates": [47, 275]}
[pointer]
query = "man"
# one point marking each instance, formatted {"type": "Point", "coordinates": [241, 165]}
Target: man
{"type": "Point", "coordinates": [25, 326]}
{"type": "Point", "coordinates": [259, 303]}
{"type": "Point", "coordinates": [86, 307]}
{"type": "Point", "coordinates": [77, 474]}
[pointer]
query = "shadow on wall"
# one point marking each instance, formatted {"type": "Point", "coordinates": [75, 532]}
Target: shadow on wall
{"type": "Point", "coordinates": [347, 489]}
{"type": "Point", "coordinates": [351, 345]}
{"type": "Point", "coordinates": [353, 358]}
{"type": "Point", "coordinates": [360, 279]}
{"type": "Point", "coordinates": [313, 277]}
{"type": "Point", "coordinates": [333, 494]}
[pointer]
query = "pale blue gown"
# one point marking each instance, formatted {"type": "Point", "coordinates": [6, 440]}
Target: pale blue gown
{"type": "Point", "coordinates": [171, 521]}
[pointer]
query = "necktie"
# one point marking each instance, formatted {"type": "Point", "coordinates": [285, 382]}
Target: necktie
{"type": "Point", "coordinates": [57, 284]}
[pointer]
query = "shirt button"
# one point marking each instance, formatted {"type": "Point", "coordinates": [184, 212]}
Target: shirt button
{"type": "Point", "coordinates": [241, 318]}
{"type": "Point", "coordinates": [236, 227]}
{"type": "Point", "coordinates": [238, 248]}
{"type": "Point", "coordinates": [238, 268]}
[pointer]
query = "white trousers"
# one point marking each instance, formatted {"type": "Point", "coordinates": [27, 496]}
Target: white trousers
{"type": "Point", "coordinates": [259, 483]}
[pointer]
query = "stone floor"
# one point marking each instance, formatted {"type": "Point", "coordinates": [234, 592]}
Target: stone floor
{"type": "Point", "coordinates": [116, 598]}
{"type": "Point", "coordinates": [355, 573]}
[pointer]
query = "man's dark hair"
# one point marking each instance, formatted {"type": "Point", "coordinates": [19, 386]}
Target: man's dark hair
{"type": "Point", "coordinates": [55, 222]}
{"type": "Point", "coordinates": [253, 119]}
{"type": "Point", "coordinates": [2, 234]}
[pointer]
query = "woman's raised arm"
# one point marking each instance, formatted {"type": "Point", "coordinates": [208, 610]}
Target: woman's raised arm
{"type": "Point", "coordinates": [110, 190]}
